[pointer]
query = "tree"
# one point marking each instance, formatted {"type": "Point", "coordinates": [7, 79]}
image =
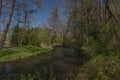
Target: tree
{"type": "Point", "coordinates": [1, 7]}
{"type": "Point", "coordinates": [54, 23]}
{"type": "Point", "coordinates": [16, 36]}
{"type": "Point", "coordinates": [7, 24]}
{"type": "Point", "coordinates": [27, 11]}
{"type": "Point", "coordinates": [40, 35]}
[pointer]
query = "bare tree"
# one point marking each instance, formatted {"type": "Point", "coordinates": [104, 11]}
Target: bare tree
{"type": "Point", "coordinates": [7, 24]}
{"type": "Point", "coordinates": [54, 23]}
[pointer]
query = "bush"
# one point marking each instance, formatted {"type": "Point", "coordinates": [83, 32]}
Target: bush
{"type": "Point", "coordinates": [102, 67]}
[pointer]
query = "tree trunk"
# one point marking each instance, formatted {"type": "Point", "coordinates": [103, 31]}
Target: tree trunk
{"type": "Point", "coordinates": [0, 7]}
{"type": "Point", "coordinates": [111, 14]}
{"type": "Point", "coordinates": [24, 23]}
{"type": "Point", "coordinates": [4, 35]}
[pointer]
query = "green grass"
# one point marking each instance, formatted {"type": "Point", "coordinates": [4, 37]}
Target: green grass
{"type": "Point", "coordinates": [102, 67]}
{"type": "Point", "coordinates": [8, 54]}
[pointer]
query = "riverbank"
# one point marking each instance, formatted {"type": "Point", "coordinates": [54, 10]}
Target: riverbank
{"type": "Point", "coordinates": [56, 63]}
{"type": "Point", "coordinates": [61, 63]}
{"type": "Point", "coordinates": [9, 54]}
{"type": "Point", "coordinates": [100, 67]}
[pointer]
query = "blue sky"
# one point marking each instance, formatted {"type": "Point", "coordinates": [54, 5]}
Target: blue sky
{"type": "Point", "coordinates": [42, 15]}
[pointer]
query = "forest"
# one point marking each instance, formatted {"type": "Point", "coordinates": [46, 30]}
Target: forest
{"type": "Point", "coordinates": [73, 40]}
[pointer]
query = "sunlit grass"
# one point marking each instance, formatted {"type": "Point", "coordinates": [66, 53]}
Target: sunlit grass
{"type": "Point", "coordinates": [8, 54]}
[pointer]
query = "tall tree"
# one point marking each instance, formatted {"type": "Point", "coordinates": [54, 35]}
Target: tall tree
{"type": "Point", "coordinates": [16, 36]}
{"type": "Point", "coordinates": [54, 23]}
{"type": "Point", "coordinates": [25, 9]}
{"type": "Point", "coordinates": [7, 24]}
{"type": "Point", "coordinates": [1, 5]}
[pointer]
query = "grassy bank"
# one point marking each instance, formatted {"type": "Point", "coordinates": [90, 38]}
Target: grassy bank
{"type": "Point", "coordinates": [14, 53]}
{"type": "Point", "coordinates": [101, 67]}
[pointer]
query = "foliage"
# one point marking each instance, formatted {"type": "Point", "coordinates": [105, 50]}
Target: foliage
{"type": "Point", "coordinates": [36, 36]}
{"type": "Point", "coordinates": [109, 36]}
{"type": "Point", "coordinates": [103, 67]}
{"type": "Point", "coordinates": [107, 40]}
{"type": "Point", "coordinates": [40, 35]}
{"type": "Point", "coordinates": [16, 36]}
{"type": "Point", "coordinates": [48, 73]}
{"type": "Point", "coordinates": [19, 36]}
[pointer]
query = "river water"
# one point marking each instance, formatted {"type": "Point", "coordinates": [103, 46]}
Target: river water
{"type": "Point", "coordinates": [62, 59]}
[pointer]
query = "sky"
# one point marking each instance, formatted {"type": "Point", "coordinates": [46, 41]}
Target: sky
{"type": "Point", "coordinates": [42, 15]}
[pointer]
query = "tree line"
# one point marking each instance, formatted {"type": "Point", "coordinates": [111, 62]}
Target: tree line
{"type": "Point", "coordinates": [20, 11]}
{"type": "Point", "coordinates": [17, 15]}
{"type": "Point", "coordinates": [94, 23]}
{"type": "Point", "coordinates": [89, 23]}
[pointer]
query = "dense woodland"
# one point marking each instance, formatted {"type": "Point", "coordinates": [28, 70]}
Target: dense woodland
{"type": "Point", "coordinates": [92, 26]}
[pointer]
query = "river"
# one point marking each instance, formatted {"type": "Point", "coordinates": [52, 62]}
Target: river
{"type": "Point", "coordinates": [62, 59]}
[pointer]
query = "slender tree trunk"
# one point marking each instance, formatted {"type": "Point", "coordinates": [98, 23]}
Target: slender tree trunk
{"type": "Point", "coordinates": [1, 7]}
{"type": "Point", "coordinates": [24, 23]}
{"type": "Point", "coordinates": [4, 35]}
{"type": "Point", "coordinates": [28, 32]}
{"type": "Point", "coordinates": [1, 10]}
